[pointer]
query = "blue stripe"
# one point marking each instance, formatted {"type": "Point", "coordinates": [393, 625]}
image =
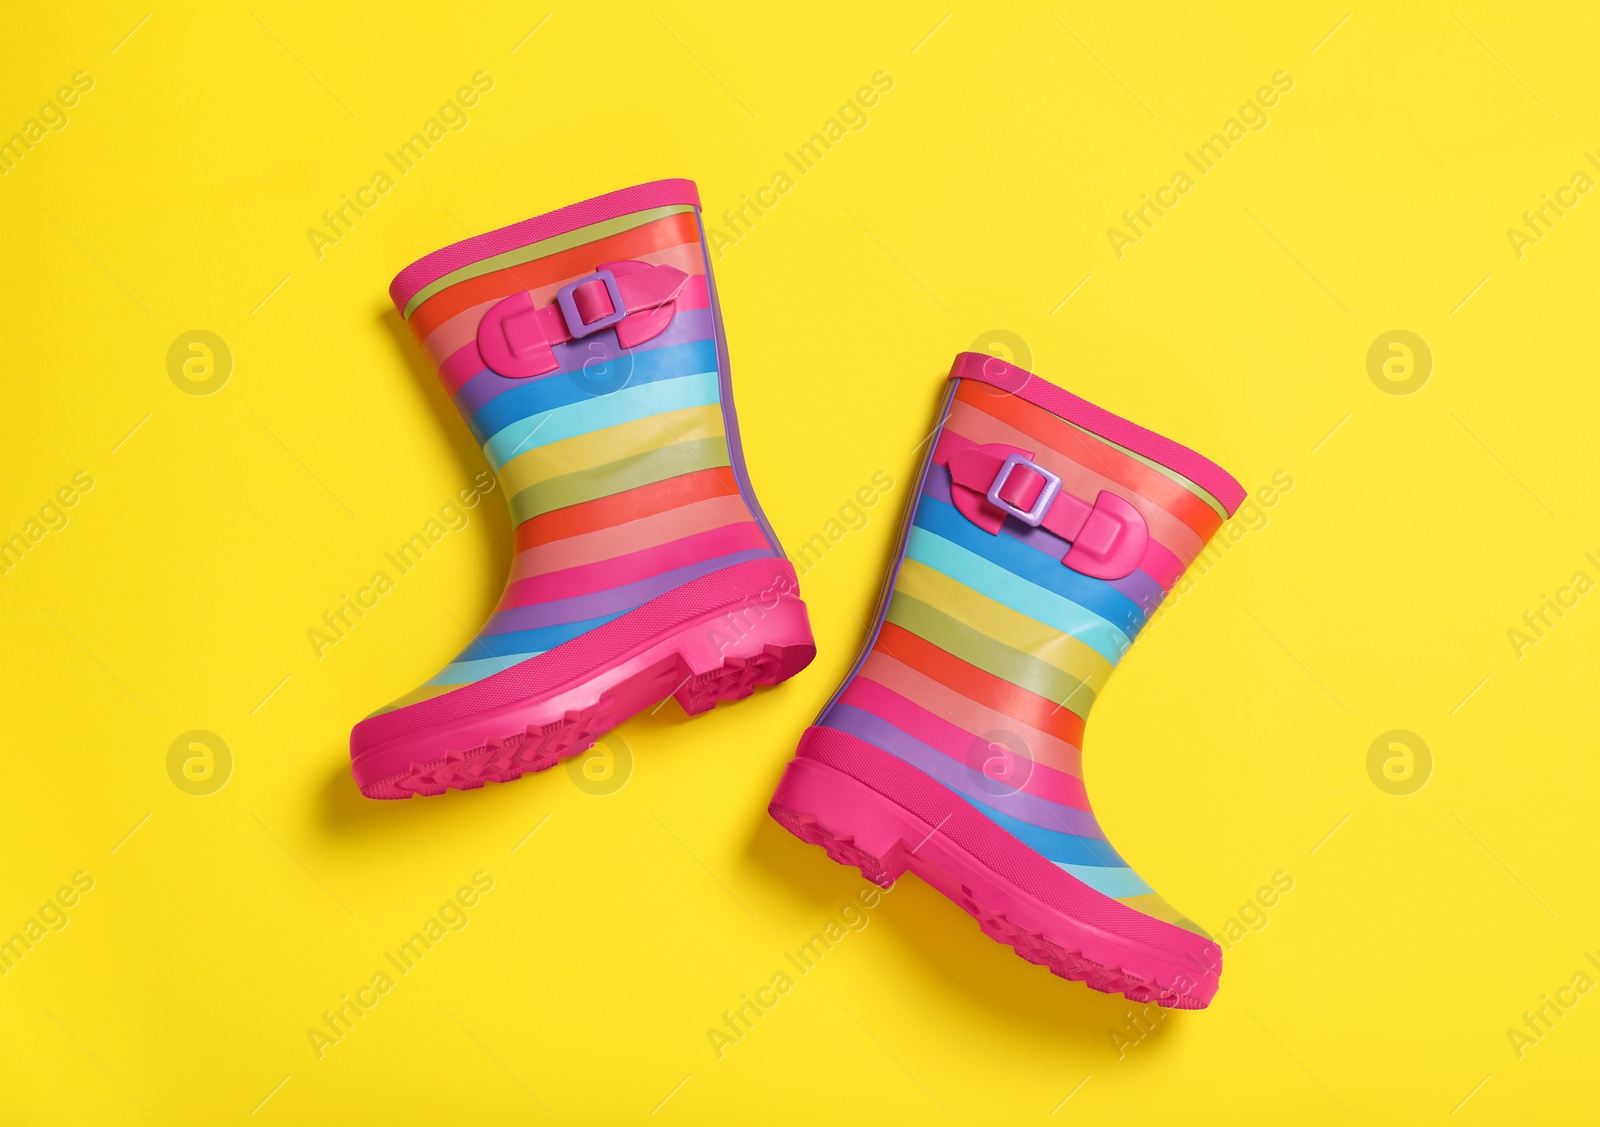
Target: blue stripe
{"type": "Point", "coordinates": [522, 642]}
{"type": "Point", "coordinates": [1113, 882]}
{"type": "Point", "coordinates": [469, 672]}
{"type": "Point", "coordinates": [591, 355]}
{"type": "Point", "coordinates": [1055, 846]}
{"type": "Point", "coordinates": [546, 393]}
{"type": "Point", "coordinates": [599, 412]}
{"type": "Point", "coordinates": [945, 521]}
{"type": "Point", "coordinates": [1138, 587]}
{"type": "Point", "coordinates": [1009, 590]}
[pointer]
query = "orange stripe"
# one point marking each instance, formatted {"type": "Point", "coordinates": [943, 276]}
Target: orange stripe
{"type": "Point", "coordinates": [1095, 456]}
{"type": "Point", "coordinates": [619, 508]}
{"type": "Point", "coordinates": [980, 685]}
{"type": "Point", "coordinates": [674, 230]}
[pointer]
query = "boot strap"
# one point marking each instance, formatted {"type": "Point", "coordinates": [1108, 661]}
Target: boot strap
{"type": "Point", "coordinates": [994, 481]}
{"type": "Point", "coordinates": [635, 298]}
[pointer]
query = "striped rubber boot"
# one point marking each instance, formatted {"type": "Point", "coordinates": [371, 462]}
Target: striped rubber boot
{"type": "Point", "coordinates": [585, 350]}
{"type": "Point", "coordinates": [1044, 534]}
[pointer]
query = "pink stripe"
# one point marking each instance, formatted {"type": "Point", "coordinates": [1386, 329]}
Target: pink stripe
{"type": "Point", "coordinates": [618, 540]}
{"type": "Point", "coordinates": [1041, 393]}
{"type": "Point", "coordinates": [953, 741]}
{"type": "Point", "coordinates": [1051, 751]}
{"type": "Point", "coordinates": [460, 366]}
{"type": "Point", "coordinates": [634, 567]}
{"type": "Point", "coordinates": [1177, 539]}
{"type": "Point", "coordinates": [1161, 565]}
{"type": "Point", "coordinates": [463, 327]}
{"type": "Point", "coordinates": [641, 197]}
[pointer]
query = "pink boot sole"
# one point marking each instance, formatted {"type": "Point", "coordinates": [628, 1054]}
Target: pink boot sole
{"type": "Point", "coordinates": [698, 662]}
{"type": "Point", "coordinates": [859, 826]}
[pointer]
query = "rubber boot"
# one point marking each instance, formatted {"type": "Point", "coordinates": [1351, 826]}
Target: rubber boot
{"type": "Point", "coordinates": [585, 350]}
{"type": "Point", "coordinates": [1044, 534]}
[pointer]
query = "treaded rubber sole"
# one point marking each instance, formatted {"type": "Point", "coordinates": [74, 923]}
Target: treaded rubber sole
{"type": "Point", "coordinates": [860, 828]}
{"type": "Point", "coordinates": [569, 720]}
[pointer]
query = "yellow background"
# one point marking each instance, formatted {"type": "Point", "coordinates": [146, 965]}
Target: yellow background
{"type": "Point", "coordinates": [1377, 596]}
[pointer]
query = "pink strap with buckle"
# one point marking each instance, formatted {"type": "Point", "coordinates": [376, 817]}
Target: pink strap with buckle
{"type": "Point", "coordinates": [635, 298]}
{"type": "Point", "coordinates": [994, 481]}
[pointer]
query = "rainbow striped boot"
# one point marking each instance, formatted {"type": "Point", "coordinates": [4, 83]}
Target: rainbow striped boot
{"type": "Point", "coordinates": [585, 350]}
{"type": "Point", "coordinates": [1045, 533]}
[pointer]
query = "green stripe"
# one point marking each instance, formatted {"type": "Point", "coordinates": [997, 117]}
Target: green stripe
{"type": "Point", "coordinates": [618, 477]}
{"type": "Point", "coordinates": [976, 648]}
{"type": "Point", "coordinates": [1221, 509]}
{"type": "Point", "coordinates": [544, 249]}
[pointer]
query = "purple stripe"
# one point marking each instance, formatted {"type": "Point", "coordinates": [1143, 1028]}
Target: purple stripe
{"type": "Point", "coordinates": [959, 777]}
{"type": "Point", "coordinates": [686, 328]}
{"type": "Point", "coordinates": [615, 601]}
{"type": "Point", "coordinates": [1138, 587]}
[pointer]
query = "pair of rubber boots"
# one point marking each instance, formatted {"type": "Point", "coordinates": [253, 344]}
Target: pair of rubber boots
{"type": "Point", "coordinates": [585, 350]}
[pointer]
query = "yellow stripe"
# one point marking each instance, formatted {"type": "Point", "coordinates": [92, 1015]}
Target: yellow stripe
{"type": "Point", "coordinates": [601, 447]}
{"type": "Point", "coordinates": [1026, 635]}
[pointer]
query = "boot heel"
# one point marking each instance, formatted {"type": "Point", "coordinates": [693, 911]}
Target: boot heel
{"type": "Point", "coordinates": [855, 824]}
{"type": "Point", "coordinates": [748, 645]}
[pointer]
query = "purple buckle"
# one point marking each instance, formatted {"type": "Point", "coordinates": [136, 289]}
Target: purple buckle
{"type": "Point", "coordinates": [1035, 515]}
{"type": "Point", "coordinates": [576, 325]}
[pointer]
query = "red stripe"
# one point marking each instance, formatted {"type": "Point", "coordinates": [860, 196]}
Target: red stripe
{"type": "Point", "coordinates": [980, 685]}
{"type": "Point", "coordinates": [619, 508]}
{"type": "Point", "coordinates": [670, 231]}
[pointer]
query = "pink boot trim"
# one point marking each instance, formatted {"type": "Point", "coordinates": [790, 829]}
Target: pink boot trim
{"type": "Point", "coordinates": [870, 810]}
